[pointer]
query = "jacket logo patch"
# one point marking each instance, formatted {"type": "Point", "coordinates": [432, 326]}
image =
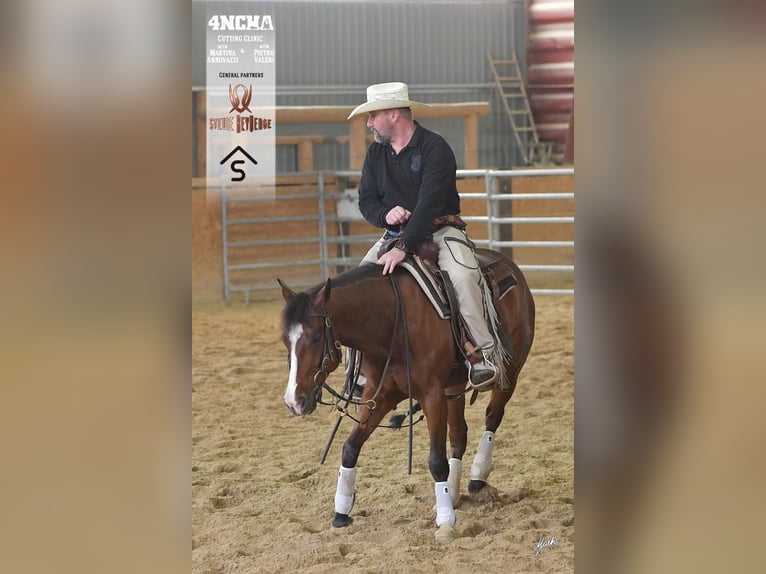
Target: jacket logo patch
{"type": "Point", "coordinates": [415, 163]}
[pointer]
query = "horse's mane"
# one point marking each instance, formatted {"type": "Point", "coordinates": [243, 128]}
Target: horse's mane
{"type": "Point", "coordinates": [354, 275]}
{"type": "Point", "coordinates": [296, 310]}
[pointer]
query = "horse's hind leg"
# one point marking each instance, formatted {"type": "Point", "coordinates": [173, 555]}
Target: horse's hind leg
{"type": "Point", "coordinates": [482, 461]}
{"type": "Point", "coordinates": [345, 490]}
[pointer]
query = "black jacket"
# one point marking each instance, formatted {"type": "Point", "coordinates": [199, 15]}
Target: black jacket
{"type": "Point", "coordinates": [421, 178]}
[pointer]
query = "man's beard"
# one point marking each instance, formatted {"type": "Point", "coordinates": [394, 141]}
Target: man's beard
{"type": "Point", "coordinates": [380, 138]}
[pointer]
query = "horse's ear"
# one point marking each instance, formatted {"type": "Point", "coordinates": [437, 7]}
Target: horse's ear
{"type": "Point", "coordinates": [323, 295]}
{"type": "Point", "coordinates": [287, 293]}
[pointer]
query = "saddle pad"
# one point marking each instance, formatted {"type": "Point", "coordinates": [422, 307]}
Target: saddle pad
{"type": "Point", "coordinates": [427, 286]}
{"type": "Point", "coordinates": [488, 260]}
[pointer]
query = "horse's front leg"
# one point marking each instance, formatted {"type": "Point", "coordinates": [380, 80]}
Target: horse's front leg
{"type": "Point", "coordinates": [458, 435]}
{"type": "Point", "coordinates": [345, 491]}
{"type": "Point", "coordinates": [435, 408]}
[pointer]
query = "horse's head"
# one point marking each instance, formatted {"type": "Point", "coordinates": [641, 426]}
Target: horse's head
{"type": "Point", "coordinates": [312, 350]}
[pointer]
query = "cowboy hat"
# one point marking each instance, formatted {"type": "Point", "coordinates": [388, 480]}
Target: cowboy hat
{"type": "Point", "coordinates": [386, 97]}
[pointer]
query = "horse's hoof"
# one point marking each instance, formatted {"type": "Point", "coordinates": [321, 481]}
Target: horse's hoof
{"type": "Point", "coordinates": [482, 492]}
{"type": "Point", "coordinates": [341, 520]}
{"type": "Point", "coordinates": [476, 485]}
{"type": "Point", "coordinates": [445, 534]}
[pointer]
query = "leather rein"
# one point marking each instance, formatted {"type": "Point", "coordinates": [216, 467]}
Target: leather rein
{"type": "Point", "coordinates": [331, 358]}
{"type": "Point", "coordinates": [331, 354]}
{"type": "Point", "coordinates": [331, 351]}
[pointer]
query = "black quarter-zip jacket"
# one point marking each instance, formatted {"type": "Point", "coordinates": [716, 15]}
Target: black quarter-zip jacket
{"type": "Point", "coordinates": [420, 178]}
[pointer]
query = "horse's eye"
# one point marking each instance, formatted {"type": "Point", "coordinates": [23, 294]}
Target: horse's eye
{"type": "Point", "coordinates": [315, 339]}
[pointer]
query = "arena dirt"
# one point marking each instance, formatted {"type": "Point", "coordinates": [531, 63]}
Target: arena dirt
{"type": "Point", "coordinates": [261, 502]}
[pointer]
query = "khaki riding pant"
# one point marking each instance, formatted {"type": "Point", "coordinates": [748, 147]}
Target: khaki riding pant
{"type": "Point", "coordinates": [457, 258]}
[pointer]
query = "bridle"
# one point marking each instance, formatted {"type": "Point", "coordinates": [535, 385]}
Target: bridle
{"type": "Point", "coordinates": [331, 352]}
{"type": "Point", "coordinates": [331, 358]}
{"type": "Point", "coordinates": [331, 349]}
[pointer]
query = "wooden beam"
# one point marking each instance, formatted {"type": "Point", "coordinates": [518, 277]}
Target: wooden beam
{"type": "Point", "coordinates": [297, 140]}
{"type": "Point", "coordinates": [471, 141]}
{"type": "Point", "coordinates": [357, 132]}
{"type": "Point", "coordinates": [358, 137]}
{"type": "Point", "coordinates": [345, 139]}
{"type": "Point", "coordinates": [340, 113]}
{"type": "Point", "coordinates": [306, 156]}
{"type": "Point", "coordinates": [305, 149]}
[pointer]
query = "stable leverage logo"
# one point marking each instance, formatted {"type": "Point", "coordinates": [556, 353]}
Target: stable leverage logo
{"type": "Point", "coordinates": [239, 104]}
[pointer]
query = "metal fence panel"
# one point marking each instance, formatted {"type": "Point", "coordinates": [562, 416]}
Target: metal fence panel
{"type": "Point", "coordinates": [330, 204]}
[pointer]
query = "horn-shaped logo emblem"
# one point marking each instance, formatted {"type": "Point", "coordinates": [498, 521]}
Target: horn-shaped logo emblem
{"type": "Point", "coordinates": [238, 105]}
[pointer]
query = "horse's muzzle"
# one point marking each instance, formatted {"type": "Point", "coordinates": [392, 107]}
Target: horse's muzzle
{"type": "Point", "coordinates": [305, 404]}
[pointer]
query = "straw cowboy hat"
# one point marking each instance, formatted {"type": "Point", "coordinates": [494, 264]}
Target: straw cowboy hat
{"type": "Point", "coordinates": [386, 97]}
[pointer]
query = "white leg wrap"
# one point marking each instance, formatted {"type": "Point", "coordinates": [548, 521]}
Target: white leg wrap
{"type": "Point", "coordinates": [344, 493]}
{"type": "Point", "coordinates": [445, 513]}
{"type": "Point", "coordinates": [455, 468]}
{"type": "Point", "coordinates": [482, 462]}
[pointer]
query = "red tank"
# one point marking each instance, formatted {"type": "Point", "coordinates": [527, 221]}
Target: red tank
{"type": "Point", "coordinates": [550, 72]}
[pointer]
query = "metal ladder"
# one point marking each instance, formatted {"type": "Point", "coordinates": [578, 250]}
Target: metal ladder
{"type": "Point", "coordinates": [510, 85]}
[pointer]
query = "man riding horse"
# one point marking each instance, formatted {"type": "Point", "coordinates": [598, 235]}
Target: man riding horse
{"type": "Point", "coordinates": [409, 188]}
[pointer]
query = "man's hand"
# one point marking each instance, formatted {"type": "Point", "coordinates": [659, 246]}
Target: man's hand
{"type": "Point", "coordinates": [398, 215]}
{"type": "Point", "coordinates": [391, 259]}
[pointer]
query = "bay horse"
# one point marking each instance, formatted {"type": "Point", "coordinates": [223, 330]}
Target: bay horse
{"type": "Point", "coordinates": [404, 342]}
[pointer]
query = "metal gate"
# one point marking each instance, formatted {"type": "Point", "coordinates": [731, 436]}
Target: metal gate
{"type": "Point", "coordinates": [321, 231]}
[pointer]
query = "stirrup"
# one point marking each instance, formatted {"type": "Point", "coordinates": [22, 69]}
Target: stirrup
{"type": "Point", "coordinates": [488, 383]}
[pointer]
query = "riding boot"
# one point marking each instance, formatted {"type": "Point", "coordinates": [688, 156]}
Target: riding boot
{"type": "Point", "coordinates": [482, 372]}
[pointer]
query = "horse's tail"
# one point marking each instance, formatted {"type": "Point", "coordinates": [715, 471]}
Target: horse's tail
{"type": "Point", "coordinates": [396, 421]}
